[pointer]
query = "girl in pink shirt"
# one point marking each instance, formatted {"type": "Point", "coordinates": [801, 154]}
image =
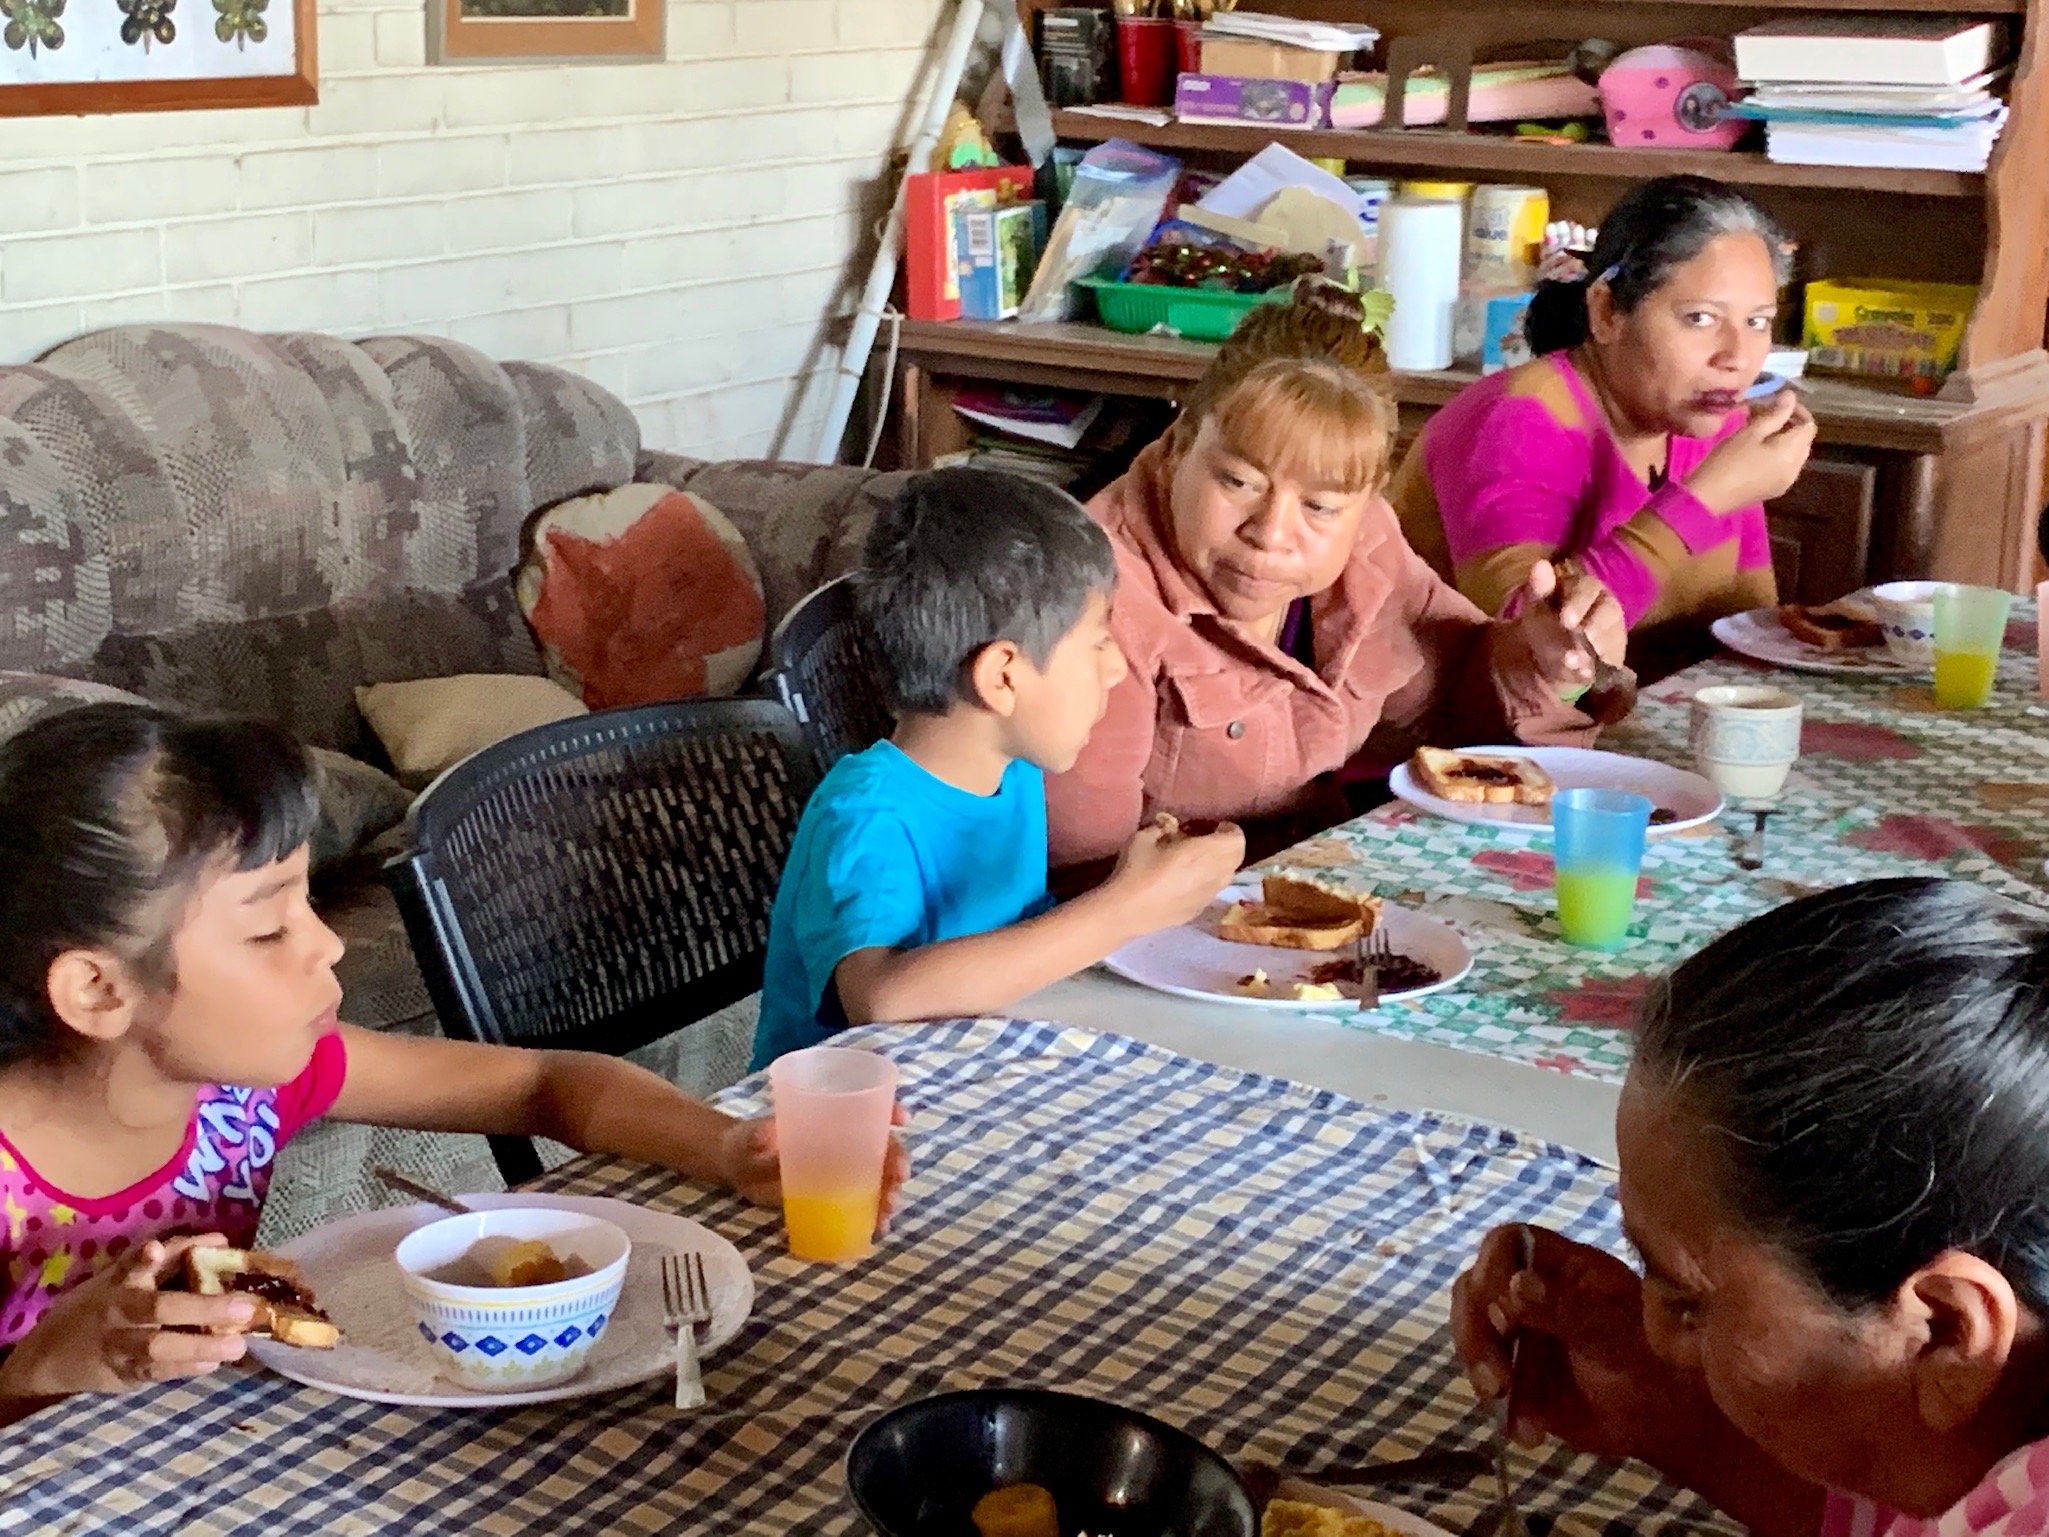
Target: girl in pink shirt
{"type": "Point", "coordinates": [167, 1023]}
{"type": "Point", "coordinates": [1834, 1155]}
{"type": "Point", "coordinates": [1625, 449]}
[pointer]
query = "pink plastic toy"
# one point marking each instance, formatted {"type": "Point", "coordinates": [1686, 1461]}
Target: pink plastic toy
{"type": "Point", "coordinates": [1670, 95]}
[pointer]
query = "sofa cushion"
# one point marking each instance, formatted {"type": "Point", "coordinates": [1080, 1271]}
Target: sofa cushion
{"type": "Point", "coordinates": [804, 523]}
{"type": "Point", "coordinates": [642, 594]}
{"type": "Point", "coordinates": [208, 516]}
{"type": "Point", "coordinates": [431, 724]}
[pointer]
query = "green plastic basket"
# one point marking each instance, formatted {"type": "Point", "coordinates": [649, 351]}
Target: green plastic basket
{"type": "Point", "coordinates": [1200, 314]}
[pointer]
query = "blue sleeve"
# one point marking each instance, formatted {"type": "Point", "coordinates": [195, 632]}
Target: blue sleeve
{"type": "Point", "coordinates": [865, 891]}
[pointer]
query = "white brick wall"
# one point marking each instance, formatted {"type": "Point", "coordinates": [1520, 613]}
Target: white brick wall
{"type": "Point", "coordinates": [676, 231]}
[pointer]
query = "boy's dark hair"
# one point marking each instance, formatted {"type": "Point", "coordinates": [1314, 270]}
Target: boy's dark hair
{"type": "Point", "coordinates": [1871, 1066]}
{"type": "Point", "coordinates": [108, 815]}
{"type": "Point", "coordinates": [1657, 226]}
{"type": "Point", "coordinates": [964, 558]}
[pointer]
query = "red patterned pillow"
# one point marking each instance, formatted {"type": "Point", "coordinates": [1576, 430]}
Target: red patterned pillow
{"type": "Point", "coordinates": [642, 594]}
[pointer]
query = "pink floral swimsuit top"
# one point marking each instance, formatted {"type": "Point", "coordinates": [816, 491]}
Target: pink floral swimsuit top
{"type": "Point", "coordinates": [50, 1240]}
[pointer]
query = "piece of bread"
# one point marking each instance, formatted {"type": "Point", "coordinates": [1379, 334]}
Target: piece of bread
{"type": "Point", "coordinates": [1294, 1518]}
{"type": "Point", "coordinates": [1298, 914]}
{"type": "Point", "coordinates": [286, 1310]}
{"type": "Point", "coordinates": [1016, 1510]}
{"type": "Point", "coordinates": [1831, 627]}
{"type": "Point", "coordinates": [1480, 777]}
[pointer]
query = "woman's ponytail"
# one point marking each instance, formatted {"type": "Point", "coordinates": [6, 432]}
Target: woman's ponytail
{"type": "Point", "coordinates": [1557, 317]}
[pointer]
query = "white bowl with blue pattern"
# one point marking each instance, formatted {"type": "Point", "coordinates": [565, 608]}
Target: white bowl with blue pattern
{"type": "Point", "coordinates": [1906, 612]}
{"type": "Point", "coordinates": [506, 1339]}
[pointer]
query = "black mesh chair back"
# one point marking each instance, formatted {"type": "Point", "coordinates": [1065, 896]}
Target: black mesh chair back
{"type": "Point", "coordinates": [827, 673]}
{"type": "Point", "coordinates": [603, 882]}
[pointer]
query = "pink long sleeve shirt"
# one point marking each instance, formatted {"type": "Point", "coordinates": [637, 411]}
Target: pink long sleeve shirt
{"type": "Point", "coordinates": [1522, 466]}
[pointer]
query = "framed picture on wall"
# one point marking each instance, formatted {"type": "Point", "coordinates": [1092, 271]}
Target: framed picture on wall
{"type": "Point", "coordinates": [459, 31]}
{"type": "Point", "coordinates": [73, 57]}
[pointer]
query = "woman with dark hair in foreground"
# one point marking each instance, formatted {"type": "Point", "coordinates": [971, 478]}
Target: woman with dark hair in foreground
{"type": "Point", "coordinates": [1834, 1149]}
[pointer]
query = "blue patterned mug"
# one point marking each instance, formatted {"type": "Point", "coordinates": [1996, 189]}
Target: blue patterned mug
{"type": "Point", "coordinates": [1745, 738]}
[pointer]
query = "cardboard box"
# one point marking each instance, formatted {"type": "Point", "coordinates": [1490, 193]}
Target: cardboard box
{"type": "Point", "coordinates": [1238, 99]}
{"type": "Point", "coordinates": [931, 199]}
{"type": "Point", "coordinates": [1487, 328]}
{"type": "Point", "coordinates": [1250, 59]}
{"type": "Point", "coordinates": [998, 253]}
{"type": "Point", "coordinates": [1897, 329]}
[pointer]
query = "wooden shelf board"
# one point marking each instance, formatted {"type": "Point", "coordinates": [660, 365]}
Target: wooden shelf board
{"type": "Point", "coordinates": [1972, 8]}
{"type": "Point", "coordinates": [1849, 414]}
{"type": "Point", "coordinates": [1525, 157]}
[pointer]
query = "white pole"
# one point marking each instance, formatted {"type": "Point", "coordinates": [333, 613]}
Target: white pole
{"type": "Point", "coordinates": [882, 276]}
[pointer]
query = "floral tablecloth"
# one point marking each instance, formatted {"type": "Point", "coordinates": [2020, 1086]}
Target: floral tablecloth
{"type": "Point", "coordinates": [1887, 785]}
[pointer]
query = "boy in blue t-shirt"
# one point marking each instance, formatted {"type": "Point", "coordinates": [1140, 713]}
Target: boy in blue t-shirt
{"type": "Point", "coordinates": [916, 887]}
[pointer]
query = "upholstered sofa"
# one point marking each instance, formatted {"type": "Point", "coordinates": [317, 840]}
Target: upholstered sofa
{"type": "Point", "coordinates": [213, 518]}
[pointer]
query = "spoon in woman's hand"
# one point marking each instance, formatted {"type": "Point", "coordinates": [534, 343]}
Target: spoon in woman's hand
{"type": "Point", "coordinates": [1612, 694]}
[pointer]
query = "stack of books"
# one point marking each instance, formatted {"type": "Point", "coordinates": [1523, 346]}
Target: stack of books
{"type": "Point", "coordinates": [1895, 92]}
{"type": "Point", "coordinates": [1291, 32]}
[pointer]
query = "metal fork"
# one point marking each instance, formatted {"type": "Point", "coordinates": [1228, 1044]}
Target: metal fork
{"type": "Point", "coordinates": [1373, 953]}
{"type": "Point", "coordinates": [686, 1303]}
{"type": "Point", "coordinates": [1509, 1522]}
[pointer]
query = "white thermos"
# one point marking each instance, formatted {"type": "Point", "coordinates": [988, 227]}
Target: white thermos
{"type": "Point", "coordinates": [1420, 247]}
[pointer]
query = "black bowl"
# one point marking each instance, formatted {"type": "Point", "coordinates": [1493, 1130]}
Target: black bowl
{"type": "Point", "coordinates": [918, 1470]}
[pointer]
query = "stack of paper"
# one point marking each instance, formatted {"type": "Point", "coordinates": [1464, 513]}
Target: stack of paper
{"type": "Point", "coordinates": [1331, 37]}
{"type": "Point", "coordinates": [1883, 92]}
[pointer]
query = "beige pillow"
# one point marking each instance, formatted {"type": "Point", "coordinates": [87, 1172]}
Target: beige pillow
{"type": "Point", "coordinates": [432, 723]}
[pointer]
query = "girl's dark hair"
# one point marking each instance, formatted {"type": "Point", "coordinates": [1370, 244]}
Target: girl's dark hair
{"type": "Point", "coordinates": [1656, 227]}
{"type": "Point", "coordinates": [108, 815]}
{"type": "Point", "coordinates": [1871, 1067]}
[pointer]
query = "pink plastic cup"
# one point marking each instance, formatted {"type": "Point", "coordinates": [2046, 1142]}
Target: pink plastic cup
{"type": "Point", "coordinates": [832, 1117]}
{"type": "Point", "coordinates": [2042, 639]}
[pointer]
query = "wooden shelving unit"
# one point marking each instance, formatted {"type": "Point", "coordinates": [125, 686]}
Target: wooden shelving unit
{"type": "Point", "coordinates": [1496, 153]}
{"type": "Point", "coordinates": [1084, 356]}
{"type": "Point", "coordinates": [1900, 485]}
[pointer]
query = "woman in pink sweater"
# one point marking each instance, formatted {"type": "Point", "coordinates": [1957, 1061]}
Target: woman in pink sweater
{"type": "Point", "coordinates": [1625, 450]}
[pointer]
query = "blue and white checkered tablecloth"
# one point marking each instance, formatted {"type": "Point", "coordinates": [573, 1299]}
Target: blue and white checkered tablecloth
{"type": "Point", "coordinates": [1264, 1263]}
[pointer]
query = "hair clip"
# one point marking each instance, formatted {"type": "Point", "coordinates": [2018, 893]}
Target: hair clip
{"type": "Point", "coordinates": [1610, 275]}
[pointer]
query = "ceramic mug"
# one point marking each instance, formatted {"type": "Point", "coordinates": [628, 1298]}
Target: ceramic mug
{"type": "Point", "coordinates": [1745, 738]}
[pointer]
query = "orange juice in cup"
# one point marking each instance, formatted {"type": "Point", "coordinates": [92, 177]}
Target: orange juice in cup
{"type": "Point", "coordinates": [832, 1117]}
{"type": "Point", "coordinates": [834, 1225]}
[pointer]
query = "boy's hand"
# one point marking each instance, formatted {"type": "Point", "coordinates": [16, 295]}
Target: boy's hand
{"type": "Point", "coordinates": [114, 1332]}
{"type": "Point", "coordinates": [1167, 875]}
{"type": "Point", "coordinates": [748, 1156]}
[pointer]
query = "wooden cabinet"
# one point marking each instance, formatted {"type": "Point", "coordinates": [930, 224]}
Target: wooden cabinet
{"type": "Point", "coordinates": [1903, 485]}
{"type": "Point", "coordinates": [1821, 531]}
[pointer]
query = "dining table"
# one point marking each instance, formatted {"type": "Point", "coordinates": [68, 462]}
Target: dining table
{"type": "Point", "coordinates": [1197, 1233]}
{"type": "Point", "coordinates": [1263, 1263]}
{"type": "Point", "coordinates": [1887, 785]}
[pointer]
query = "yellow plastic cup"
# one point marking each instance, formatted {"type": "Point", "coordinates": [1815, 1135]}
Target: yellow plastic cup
{"type": "Point", "coordinates": [832, 1116]}
{"type": "Point", "coordinates": [1970, 629]}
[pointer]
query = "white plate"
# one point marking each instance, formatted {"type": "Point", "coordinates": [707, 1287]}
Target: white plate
{"type": "Point", "coordinates": [1337, 1499]}
{"type": "Point", "coordinates": [382, 1357]}
{"type": "Point", "coordinates": [1692, 798]}
{"type": "Point", "coordinates": [1191, 962]}
{"type": "Point", "coordinates": [1758, 635]}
